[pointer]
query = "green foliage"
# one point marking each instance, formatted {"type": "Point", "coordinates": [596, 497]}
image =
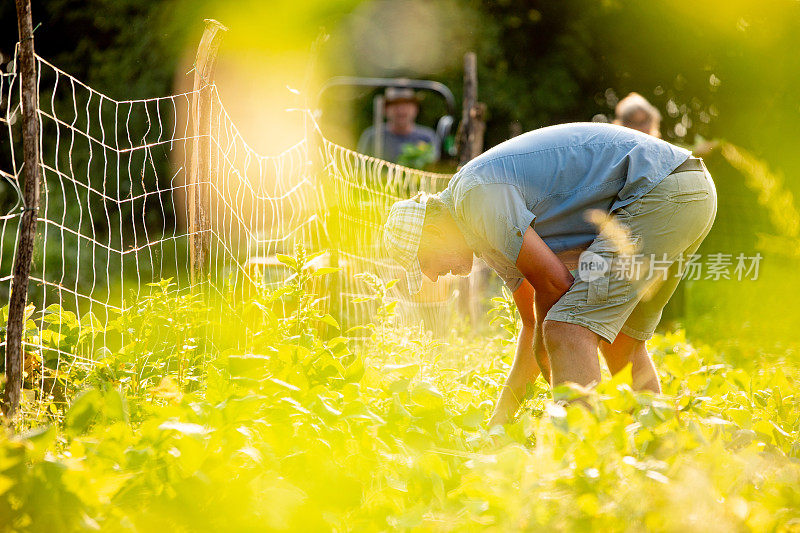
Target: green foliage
{"type": "Point", "coordinates": [162, 335]}
{"type": "Point", "coordinates": [416, 155]}
{"type": "Point", "coordinates": [385, 308]}
{"type": "Point", "coordinates": [307, 313]}
{"type": "Point", "coordinates": [265, 424]}
{"type": "Point", "coordinates": [504, 314]}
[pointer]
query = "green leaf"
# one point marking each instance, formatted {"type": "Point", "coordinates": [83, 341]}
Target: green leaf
{"type": "Point", "coordinates": [90, 322]}
{"type": "Point", "coordinates": [356, 329]}
{"type": "Point", "coordinates": [284, 385]}
{"type": "Point", "coordinates": [408, 370]}
{"type": "Point", "coordinates": [355, 370]}
{"type": "Point", "coordinates": [83, 411]}
{"type": "Point", "coordinates": [116, 406]}
{"type": "Point", "coordinates": [327, 409]}
{"type": "Point", "coordinates": [38, 441]}
{"type": "Point", "coordinates": [324, 271]}
{"type": "Point", "coordinates": [568, 392]}
{"type": "Point", "coordinates": [310, 258]}
{"type": "Point", "coordinates": [185, 428]}
{"type": "Point", "coordinates": [287, 260]}
{"type": "Point", "coordinates": [328, 319]}
{"type": "Point", "coordinates": [427, 395]}
{"type": "Point", "coordinates": [249, 366]}
{"type": "Point", "coordinates": [471, 419]}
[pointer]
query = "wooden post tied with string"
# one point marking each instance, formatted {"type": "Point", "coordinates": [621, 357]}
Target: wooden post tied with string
{"type": "Point", "coordinates": [27, 226]}
{"type": "Point", "coordinates": [203, 164]}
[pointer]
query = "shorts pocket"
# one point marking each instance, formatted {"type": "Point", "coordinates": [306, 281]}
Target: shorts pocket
{"type": "Point", "coordinates": [692, 187]}
{"type": "Point", "coordinates": [682, 197]}
{"type": "Point", "coordinates": [597, 291]}
{"type": "Point", "coordinates": [602, 251]}
{"type": "Point", "coordinates": [612, 286]}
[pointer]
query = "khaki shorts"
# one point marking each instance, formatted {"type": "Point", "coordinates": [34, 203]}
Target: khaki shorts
{"type": "Point", "coordinates": [660, 233]}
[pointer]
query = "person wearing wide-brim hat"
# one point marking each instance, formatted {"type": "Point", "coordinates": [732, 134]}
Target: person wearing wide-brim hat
{"type": "Point", "coordinates": [400, 128]}
{"type": "Point", "coordinates": [636, 207]}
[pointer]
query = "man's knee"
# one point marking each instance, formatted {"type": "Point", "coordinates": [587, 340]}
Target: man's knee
{"type": "Point", "coordinates": [562, 335]}
{"type": "Point", "coordinates": [552, 332]}
{"type": "Point", "coordinates": [556, 333]}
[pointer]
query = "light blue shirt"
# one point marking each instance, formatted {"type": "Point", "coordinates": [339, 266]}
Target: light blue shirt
{"type": "Point", "coordinates": [549, 178]}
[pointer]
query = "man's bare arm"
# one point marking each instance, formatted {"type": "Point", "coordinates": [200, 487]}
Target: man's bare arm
{"type": "Point", "coordinates": [548, 275]}
{"type": "Point", "coordinates": [524, 369]}
{"type": "Point", "coordinates": [531, 357]}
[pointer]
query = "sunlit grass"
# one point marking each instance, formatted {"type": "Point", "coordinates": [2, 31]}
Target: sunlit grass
{"type": "Point", "coordinates": [274, 421]}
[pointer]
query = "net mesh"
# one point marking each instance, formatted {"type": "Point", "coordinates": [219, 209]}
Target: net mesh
{"type": "Point", "coordinates": [364, 189]}
{"type": "Point", "coordinates": [113, 218]}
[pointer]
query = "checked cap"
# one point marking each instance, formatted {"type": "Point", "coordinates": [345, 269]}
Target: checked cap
{"type": "Point", "coordinates": [401, 235]}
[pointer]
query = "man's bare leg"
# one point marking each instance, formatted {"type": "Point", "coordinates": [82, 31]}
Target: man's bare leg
{"type": "Point", "coordinates": [626, 349]}
{"type": "Point", "coordinates": [573, 353]}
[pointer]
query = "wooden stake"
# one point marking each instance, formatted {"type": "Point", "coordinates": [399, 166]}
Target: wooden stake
{"type": "Point", "coordinates": [378, 106]}
{"type": "Point", "coordinates": [470, 144]}
{"type": "Point", "coordinates": [465, 152]}
{"type": "Point", "coordinates": [27, 226]}
{"type": "Point", "coordinates": [203, 163]}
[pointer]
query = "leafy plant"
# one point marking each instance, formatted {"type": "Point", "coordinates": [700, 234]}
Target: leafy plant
{"type": "Point", "coordinates": [385, 308]}
{"type": "Point", "coordinates": [417, 155]}
{"type": "Point", "coordinates": [504, 314]}
{"type": "Point", "coordinates": [286, 427]}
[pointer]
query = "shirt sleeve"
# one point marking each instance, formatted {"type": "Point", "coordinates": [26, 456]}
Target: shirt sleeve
{"type": "Point", "coordinates": [497, 213]}
{"type": "Point", "coordinates": [512, 278]}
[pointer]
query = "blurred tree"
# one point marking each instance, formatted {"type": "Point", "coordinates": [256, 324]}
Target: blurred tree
{"type": "Point", "coordinates": [126, 49]}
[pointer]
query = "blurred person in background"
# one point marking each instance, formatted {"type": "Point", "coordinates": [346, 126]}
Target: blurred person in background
{"type": "Point", "coordinates": [400, 129]}
{"type": "Point", "coordinates": [635, 112]}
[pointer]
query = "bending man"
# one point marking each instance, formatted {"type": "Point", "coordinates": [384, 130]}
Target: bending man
{"type": "Point", "coordinates": [637, 205]}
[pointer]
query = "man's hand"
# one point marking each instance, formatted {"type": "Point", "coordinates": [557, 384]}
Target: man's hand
{"type": "Point", "coordinates": [547, 274]}
{"type": "Point", "coordinates": [571, 257]}
{"type": "Point", "coordinates": [523, 371]}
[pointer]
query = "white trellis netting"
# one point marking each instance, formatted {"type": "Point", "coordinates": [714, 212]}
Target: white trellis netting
{"type": "Point", "coordinates": [112, 213]}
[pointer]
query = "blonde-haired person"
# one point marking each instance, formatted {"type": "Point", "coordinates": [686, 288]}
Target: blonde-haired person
{"type": "Point", "coordinates": [635, 112]}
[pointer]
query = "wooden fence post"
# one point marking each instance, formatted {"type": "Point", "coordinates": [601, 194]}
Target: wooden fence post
{"type": "Point", "coordinates": [27, 225]}
{"type": "Point", "coordinates": [470, 145]}
{"type": "Point", "coordinates": [378, 108]}
{"type": "Point", "coordinates": [473, 125]}
{"type": "Point", "coordinates": [203, 163]}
